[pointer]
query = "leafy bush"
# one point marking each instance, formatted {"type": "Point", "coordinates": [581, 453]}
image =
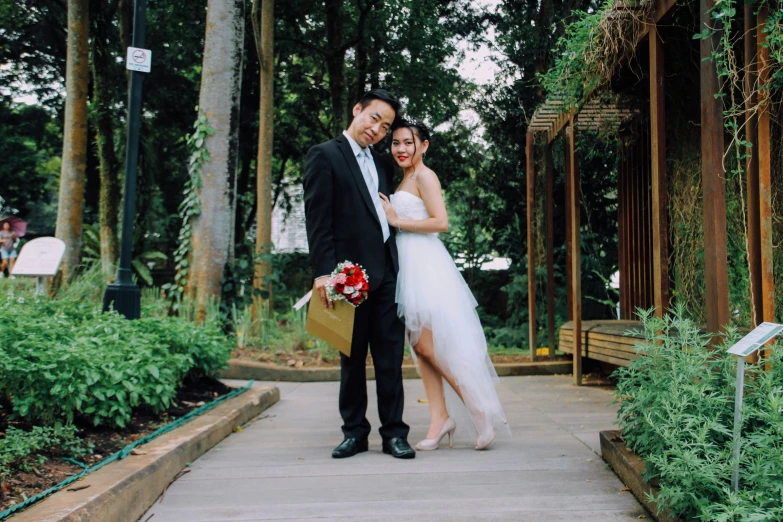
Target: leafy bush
{"type": "Point", "coordinates": [677, 413]}
{"type": "Point", "coordinates": [206, 345]}
{"type": "Point", "coordinates": [21, 450]}
{"type": "Point", "coordinates": [63, 359]}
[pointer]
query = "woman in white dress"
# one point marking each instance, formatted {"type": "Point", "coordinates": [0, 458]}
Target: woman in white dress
{"type": "Point", "coordinates": [435, 302]}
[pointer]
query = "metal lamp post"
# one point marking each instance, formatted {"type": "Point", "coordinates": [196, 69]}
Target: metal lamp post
{"type": "Point", "coordinates": [123, 294]}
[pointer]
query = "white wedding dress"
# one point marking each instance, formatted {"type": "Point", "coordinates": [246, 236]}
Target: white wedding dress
{"type": "Point", "coordinates": [432, 294]}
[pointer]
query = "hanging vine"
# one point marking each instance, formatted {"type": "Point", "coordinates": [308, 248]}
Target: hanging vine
{"type": "Point", "coordinates": [190, 208]}
{"type": "Point", "coordinates": [592, 48]}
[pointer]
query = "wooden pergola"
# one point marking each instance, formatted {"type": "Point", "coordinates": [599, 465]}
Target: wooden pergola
{"type": "Point", "coordinates": [642, 192]}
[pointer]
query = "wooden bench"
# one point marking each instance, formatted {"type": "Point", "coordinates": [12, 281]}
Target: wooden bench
{"type": "Point", "coordinates": [603, 340]}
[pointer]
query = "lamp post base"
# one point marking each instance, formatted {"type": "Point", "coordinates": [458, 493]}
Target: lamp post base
{"type": "Point", "coordinates": [124, 298]}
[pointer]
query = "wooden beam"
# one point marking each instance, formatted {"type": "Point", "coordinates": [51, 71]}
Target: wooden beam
{"type": "Point", "coordinates": [765, 170]}
{"type": "Point", "coordinates": [575, 275]}
{"type": "Point", "coordinates": [568, 206]}
{"type": "Point", "coordinates": [660, 222]}
{"type": "Point", "coordinates": [713, 180]}
{"type": "Point", "coordinates": [550, 251]}
{"type": "Point", "coordinates": [531, 246]}
{"type": "Point", "coordinates": [752, 166]}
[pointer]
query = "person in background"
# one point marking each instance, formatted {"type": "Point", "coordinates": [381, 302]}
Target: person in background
{"type": "Point", "coordinates": [8, 242]}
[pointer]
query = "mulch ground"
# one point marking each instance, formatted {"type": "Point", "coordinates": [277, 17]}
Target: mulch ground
{"type": "Point", "coordinates": [303, 359]}
{"type": "Point", "coordinates": [19, 486]}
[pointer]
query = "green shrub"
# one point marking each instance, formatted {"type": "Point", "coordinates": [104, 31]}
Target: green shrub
{"type": "Point", "coordinates": [100, 367]}
{"type": "Point", "coordinates": [63, 359]}
{"type": "Point", "coordinates": [21, 450]}
{"type": "Point", "coordinates": [677, 413]}
{"type": "Point", "coordinates": [207, 346]}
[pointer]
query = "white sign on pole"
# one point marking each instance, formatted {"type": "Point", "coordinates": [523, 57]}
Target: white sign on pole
{"type": "Point", "coordinates": [40, 258]}
{"type": "Point", "coordinates": [760, 336]}
{"type": "Point", "coordinates": [746, 346]}
{"type": "Point", "coordinates": [139, 59]}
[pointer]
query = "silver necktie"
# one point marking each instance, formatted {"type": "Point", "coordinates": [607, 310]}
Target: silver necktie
{"type": "Point", "coordinates": [364, 164]}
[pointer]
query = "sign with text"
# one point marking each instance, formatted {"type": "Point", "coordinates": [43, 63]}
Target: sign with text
{"type": "Point", "coordinates": [139, 60]}
{"type": "Point", "coordinates": [40, 258]}
{"type": "Point", "coordinates": [760, 336]}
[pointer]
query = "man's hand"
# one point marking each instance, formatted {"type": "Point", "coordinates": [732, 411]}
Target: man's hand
{"type": "Point", "coordinates": [320, 285]}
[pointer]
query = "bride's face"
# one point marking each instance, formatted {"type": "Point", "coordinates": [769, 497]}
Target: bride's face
{"type": "Point", "coordinates": [407, 148]}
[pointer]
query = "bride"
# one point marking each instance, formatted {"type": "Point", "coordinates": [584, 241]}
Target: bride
{"type": "Point", "coordinates": [435, 302]}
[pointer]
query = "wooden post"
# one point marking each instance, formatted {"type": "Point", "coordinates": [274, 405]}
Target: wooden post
{"type": "Point", "coordinates": [765, 171]}
{"type": "Point", "coordinates": [622, 234]}
{"type": "Point", "coordinates": [575, 275]}
{"type": "Point", "coordinates": [531, 247]}
{"type": "Point", "coordinates": [568, 205]}
{"type": "Point", "coordinates": [752, 166]}
{"type": "Point", "coordinates": [550, 252]}
{"type": "Point", "coordinates": [713, 181]}
{"type": "Point", "coordinates": [660, 227]}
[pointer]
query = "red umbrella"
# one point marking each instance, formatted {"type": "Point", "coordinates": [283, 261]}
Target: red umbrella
{"type": "Point", "coordinates": [17, 225]}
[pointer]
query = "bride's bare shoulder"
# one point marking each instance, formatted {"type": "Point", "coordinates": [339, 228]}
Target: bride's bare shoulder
{"type": "Point", "coordinates": [427, 178]}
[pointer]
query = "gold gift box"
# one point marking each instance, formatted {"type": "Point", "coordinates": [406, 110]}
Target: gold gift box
{"type": "Point", "coordinates": [332, 325]}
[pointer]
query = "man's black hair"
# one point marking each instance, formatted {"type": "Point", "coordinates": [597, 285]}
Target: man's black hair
{"type": "Point", "coordinates": [382, 95]}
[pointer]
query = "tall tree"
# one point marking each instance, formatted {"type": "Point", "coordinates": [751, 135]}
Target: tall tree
{"type": "Point", "coordinates": [74, 159]}
{"type": "Point", "coordinates": [221, 78]}
{"type": "Point", "coordinates": [263, 29]}
{"type": "Point", "coordinates": [101, 67]}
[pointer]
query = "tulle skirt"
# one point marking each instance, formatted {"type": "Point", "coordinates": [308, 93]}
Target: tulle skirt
{"type": "Point", "coordinates": [432, 294]}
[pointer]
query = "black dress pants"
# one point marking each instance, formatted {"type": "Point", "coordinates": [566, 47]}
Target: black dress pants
{"type": "Point", "coordinates": [376, 324]}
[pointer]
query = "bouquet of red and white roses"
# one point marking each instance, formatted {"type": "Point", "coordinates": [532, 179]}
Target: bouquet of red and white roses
{"type": "Point", "coordinates": [348, 282]}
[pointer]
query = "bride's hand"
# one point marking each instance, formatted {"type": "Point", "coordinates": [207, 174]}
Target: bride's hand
{"type": "Point", "coordinates": [391, 215]}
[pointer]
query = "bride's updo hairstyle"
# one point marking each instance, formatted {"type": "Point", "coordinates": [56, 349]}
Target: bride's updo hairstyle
{"type": "Point", "coordinates": [417, 127]}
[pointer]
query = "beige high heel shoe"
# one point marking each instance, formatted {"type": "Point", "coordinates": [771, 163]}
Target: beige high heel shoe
{"type": "Point", "coordinates": [484, 440]}
{"type": "Point", "coordinates": [449, 427]}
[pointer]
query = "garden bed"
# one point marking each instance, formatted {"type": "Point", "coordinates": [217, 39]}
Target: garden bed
{"type": "Point", "coordinates": [302, 358]}
{"type": "Point", "coordinates": [48, 469]}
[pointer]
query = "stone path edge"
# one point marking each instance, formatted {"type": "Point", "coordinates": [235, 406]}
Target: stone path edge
{"type": "Point", "coordinates": [124, 490]}
{"type": "Point", "coordinates": [628, 466]}
{"type": "Point", "coordinates": [246, 370]}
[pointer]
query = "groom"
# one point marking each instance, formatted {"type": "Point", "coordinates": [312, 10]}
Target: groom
{"type": "Point", "coordinates": [346, 222]}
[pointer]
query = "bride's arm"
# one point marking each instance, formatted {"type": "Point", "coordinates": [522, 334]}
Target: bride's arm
{"type": "Point", "coordinates": [429, 188]}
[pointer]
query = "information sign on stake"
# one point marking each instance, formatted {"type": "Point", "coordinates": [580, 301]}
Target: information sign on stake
{"type": "Point", "coordinates": [746, 346]}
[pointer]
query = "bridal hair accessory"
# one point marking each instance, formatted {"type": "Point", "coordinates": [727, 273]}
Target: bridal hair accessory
{"type": "Point", "coordinates": [348, 282]}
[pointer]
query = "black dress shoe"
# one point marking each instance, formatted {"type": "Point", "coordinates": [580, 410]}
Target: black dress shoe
{"type": "Point", "coordinates": [349, 447]}
{"type": "Point", "coordinates": [398, 448]}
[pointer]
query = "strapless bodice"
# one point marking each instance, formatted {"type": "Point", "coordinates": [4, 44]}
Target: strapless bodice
{"type": "Point", "coordinates": [408, 206]}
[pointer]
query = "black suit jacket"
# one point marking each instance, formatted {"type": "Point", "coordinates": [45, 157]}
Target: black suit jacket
{"type": "Point", "coordinates": [342, 224]}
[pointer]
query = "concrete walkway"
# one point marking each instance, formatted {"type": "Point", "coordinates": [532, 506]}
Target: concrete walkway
{"type": "Point", "coordinates": [280, 467]}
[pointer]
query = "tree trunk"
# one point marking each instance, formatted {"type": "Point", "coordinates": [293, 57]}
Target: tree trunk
{"type": "Point", "coordinates": [74, 159]}
{"type": "Point", "coordinates": [264, 36]}
{"type": "Point", "coordinates": [108, 207]}
{"type": "Point", "coordinates": [221, 80]}
{"type": "Point", "coordinates": [335, 64]}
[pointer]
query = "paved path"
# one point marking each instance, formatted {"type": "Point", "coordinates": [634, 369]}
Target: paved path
{"type": "Point", "coordinates": [279, 467]}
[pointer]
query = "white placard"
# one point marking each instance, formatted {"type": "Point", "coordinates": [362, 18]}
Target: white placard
{"type": "Point", "coordinates": [139, 59]}
{"type": "Point", "coordinates": [760, 336]}
{"type": "Point", "coordinates": [304, 300]}
{"type": "Point", "coordinates": [40, 258]}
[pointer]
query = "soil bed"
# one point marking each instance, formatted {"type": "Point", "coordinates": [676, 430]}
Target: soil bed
{"type": "Point", "coordinates": [315, 359]}
{"type": "Point", "coordinates": [21, 485]}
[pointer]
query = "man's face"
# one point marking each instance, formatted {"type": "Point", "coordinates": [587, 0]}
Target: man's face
{"type": "Point", "coordinates": [370, 125]}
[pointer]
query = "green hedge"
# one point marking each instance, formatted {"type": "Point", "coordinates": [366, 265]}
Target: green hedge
{"type": "Point", "coordinates": [677, 413]}
{"type": "Point", "coordinates": [63, 359]}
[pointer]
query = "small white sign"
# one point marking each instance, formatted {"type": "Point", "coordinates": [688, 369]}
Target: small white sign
{"type": "Point", "coordinates": [139, 59]}
{"type": "Point", "coordinates": [304, 300]}
{"type": "Point", "coordinates": [40, 257]}
{"type": "Point", "coordinates": [760, 336]}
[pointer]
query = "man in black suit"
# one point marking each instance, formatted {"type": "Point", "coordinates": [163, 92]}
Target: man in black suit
{"type": "Point", "coordinates": [346, 222]}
